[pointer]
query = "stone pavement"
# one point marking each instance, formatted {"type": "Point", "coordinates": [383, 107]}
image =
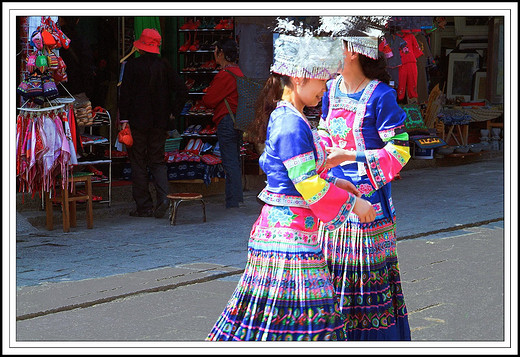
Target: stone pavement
{"type": "Point", "coordinates": [140, 279]}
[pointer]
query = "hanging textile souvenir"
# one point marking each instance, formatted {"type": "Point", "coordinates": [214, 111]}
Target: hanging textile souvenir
{"type": "Point", "coordinates": [34, 86]}
{"type": "Point", "coordinates": [68, 136]}
{"type": "Point", "coordinates": [64, 152]}
{"type": "Point", "coordinates": [50, 90]}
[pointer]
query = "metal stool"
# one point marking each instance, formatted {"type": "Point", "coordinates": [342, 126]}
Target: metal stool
{"type": "Point", "coordinates": [69, 210]}
{"type": "Point", "coordinates": [177, 198]}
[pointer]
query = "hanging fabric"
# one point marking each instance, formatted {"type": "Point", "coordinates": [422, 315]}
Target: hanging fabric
{"type": "Point", "coordinates": [44, 149]}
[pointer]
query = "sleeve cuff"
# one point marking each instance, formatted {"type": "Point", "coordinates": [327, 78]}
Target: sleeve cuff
{"type": "Point", "coordinates": [331, 179]}
{"type": "Point", "coordinates": [360, 156]}
{"type": "Point", "coordinates": [342, 216]}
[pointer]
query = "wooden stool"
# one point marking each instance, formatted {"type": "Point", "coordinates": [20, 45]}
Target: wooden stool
{"type": "Point", "coordinates": [177, 198]}
{"type": "Point", "coordinates": [69, 210]}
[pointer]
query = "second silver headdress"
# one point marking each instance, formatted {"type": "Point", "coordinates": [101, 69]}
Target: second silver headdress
{"type": "Point", "coordinates": [305, 55]}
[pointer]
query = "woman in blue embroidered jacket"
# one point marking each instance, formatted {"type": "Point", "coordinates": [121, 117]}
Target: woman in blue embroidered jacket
{"type": "Point", "coordinates": [285, 292]}
{"type": "Point", "coordinates": [363, 128]}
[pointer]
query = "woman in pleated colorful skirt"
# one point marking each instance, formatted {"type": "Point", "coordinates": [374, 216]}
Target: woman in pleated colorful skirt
{"type": "Point", "coordinates": [285, 292]}
{"type": "Point", "coordinates": [363, 129]}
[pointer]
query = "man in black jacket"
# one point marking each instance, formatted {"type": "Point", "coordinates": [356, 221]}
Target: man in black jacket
{"type": "Point", "coordinates": [150, 93]}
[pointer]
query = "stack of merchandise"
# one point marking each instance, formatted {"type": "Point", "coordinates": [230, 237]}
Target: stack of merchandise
{"type": "Point", "coordinates": [83, 110]}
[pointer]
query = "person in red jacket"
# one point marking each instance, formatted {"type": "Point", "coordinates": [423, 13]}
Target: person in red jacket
{"type": "Point", "coordinates": [223, 88]}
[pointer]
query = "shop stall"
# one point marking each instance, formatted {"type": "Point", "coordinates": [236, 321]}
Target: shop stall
{"type": "Point", "coordinates": [454, 104]}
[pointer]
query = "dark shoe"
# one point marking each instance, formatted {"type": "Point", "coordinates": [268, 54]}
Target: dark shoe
{"type": "Point", "coordinates": [136, 213]}
{"type": "Point", "coordinates": [161, 209]}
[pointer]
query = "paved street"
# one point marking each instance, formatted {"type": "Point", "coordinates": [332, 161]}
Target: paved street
{"type": "Point", "coordinates": [448, 294]}
{"type": "Point", "coordinates": [140, 279]}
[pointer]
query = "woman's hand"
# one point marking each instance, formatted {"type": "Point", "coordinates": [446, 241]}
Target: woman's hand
{"type": "Point", "coordinates": [336, 156]}
{"type": "Point", "coordinates": [348, 186]}
{"type": "Point", "coordinates": [364, 210]}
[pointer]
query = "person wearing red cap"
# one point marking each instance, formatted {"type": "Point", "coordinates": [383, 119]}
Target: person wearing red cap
{"type": "Point", "coordinates": [150, 93]}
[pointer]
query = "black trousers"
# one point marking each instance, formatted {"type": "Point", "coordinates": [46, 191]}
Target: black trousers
{"type": "Point", "coordinates": [147, 153]}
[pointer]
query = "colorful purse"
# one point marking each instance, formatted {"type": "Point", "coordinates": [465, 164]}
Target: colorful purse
{"type": "Point", "coordinates": [23, 88]}
{"type": "Point", "coordinates": [41, 63]}
{"type": "Point", "coordinates": [49, 87]}
{"type": "Point", "coordinates": [60, 76]}
{"type": "Point", "coordinates": [53, 61]}
{"type": "Point", "coordinates": [31, 62]}
{"type": "Point", "coordinates": [48, 39]}
{"type": "Point", "coordinates": [36, 40]}
{"type": "Point", "coordinates": [34, 86]}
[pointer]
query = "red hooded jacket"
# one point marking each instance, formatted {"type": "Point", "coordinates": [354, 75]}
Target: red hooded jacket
{"type": "Point", "coordinates": [223, 86]}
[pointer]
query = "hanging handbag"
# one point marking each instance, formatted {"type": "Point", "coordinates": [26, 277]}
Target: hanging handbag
{"type": "Point", "coordinates": [48, 39]}
{"type": "Point", "coordinates": [41, 63]}
{"type": "Point", "coordinates": [23, 88]}
{"type": "Point", "coordinates": [36, 40]}
{"type": "Point", "coordinates": [34, 86]}
{"type": "Point", "coordinates": [125, 136]}
{"type": "Point", "coordinates": [60, 75]}
{"type": "Point", "coordinates": [31, 62]}
{"type": "Point", "coordinates": [52, 60]}
{"type": "Point", "coordinates": [49, 87]}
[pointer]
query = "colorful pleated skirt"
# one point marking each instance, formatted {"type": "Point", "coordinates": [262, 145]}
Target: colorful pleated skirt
{"type": "Point", "coordinates": [285, 292]}
{"type": "Point", "coordinates": [362, 259]}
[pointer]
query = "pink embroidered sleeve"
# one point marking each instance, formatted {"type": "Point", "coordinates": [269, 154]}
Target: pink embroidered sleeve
{"type": "Point", "coordinates": [384, 164]}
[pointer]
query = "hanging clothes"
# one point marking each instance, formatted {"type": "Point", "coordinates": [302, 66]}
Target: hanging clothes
{"type": "Point", "coordinates": [393, 62]}
{"type": "Point", "coordinates": [422, 65]}
{"type": "Point", "coordinates": [408, 70]}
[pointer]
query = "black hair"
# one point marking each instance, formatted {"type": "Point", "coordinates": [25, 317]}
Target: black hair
{"type": "Point", "coordinates": [230, 49]}
{"type": "Point", "coordinates": [375, 68]}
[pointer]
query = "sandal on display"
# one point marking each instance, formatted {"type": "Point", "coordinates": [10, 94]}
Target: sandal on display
{"type": "Point", "coordinates": [195, 46]}
{"type": "Point", "coordinates": [189, 129]}
{"type": "Point", "coordinates": [187, 25]}
{"type": "Point", "coordinates": [195, 25]}
{"type": "Point", "coordinates": [189, 83]}
{"type": "Point", "coordinates": [186, 44]}
{"type": "Point", "coordinates": [197, 129]}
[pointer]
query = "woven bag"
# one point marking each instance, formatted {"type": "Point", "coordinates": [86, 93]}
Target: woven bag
{"type": "Point", "coordinates": [248, 91]}
{"type": "Point", "coordinates": [34, 86]}
{"type": "Point", "coordinates": [50, 90]}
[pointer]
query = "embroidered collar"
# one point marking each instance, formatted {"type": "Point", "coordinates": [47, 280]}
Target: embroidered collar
{"type": "Point", "coordinates": [284, 103]}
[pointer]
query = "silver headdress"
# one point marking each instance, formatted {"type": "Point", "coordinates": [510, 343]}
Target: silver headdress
{"type": "Point", "coordinates": [361, 33]}
{"type": "Point", "coordinates": [300, 54]}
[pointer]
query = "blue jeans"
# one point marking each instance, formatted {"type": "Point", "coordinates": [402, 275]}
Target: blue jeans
{"type": "Point", "coordinates": [230, 140]}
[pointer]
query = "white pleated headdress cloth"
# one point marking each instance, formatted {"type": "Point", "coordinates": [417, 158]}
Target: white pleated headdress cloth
{"type": "Point", "coordinates": [301, 54]}
{"type": "Point", "coordinates": [361, 33]}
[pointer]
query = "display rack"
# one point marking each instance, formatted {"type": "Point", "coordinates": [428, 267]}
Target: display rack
{"type": "Point", "coordinates": [101, 119]}
{"type": "Point", "coordinates": [197, 67]}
